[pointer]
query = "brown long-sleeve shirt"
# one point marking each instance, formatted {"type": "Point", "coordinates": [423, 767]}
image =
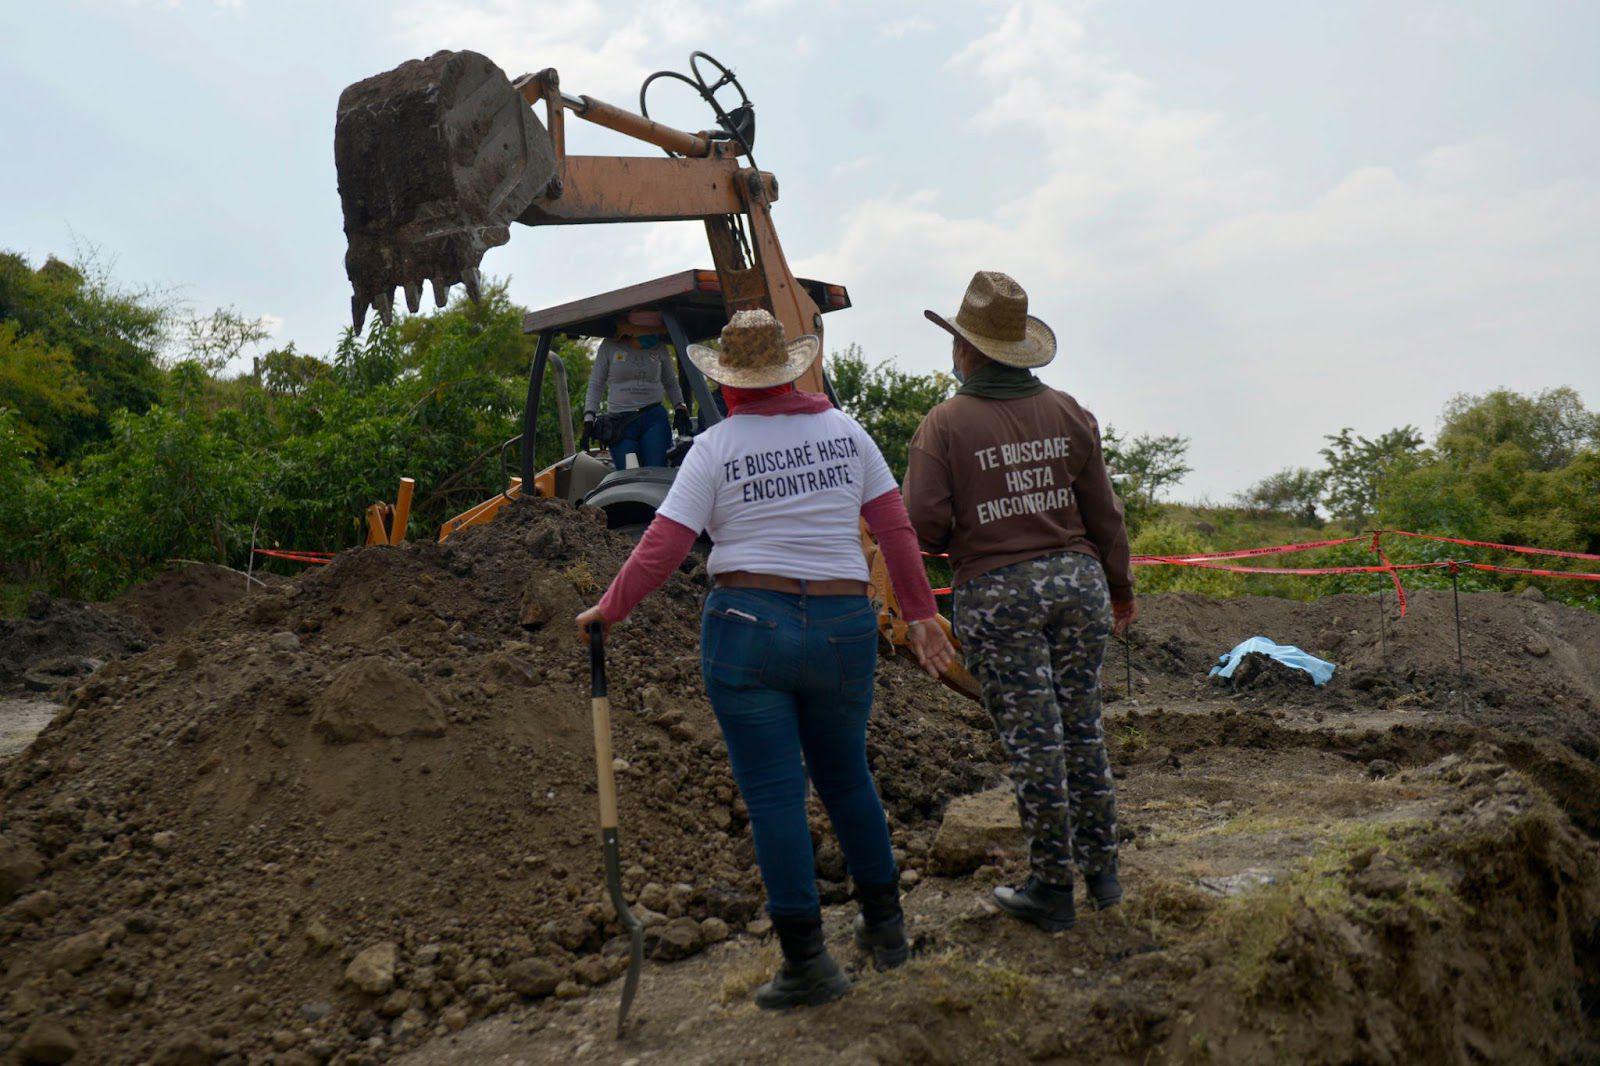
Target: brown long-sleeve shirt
{"type": "Point", "coordinates": [996, 482]}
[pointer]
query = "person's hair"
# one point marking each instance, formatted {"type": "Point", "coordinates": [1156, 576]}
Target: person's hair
{"type": "Point", "coordinates": [973, 353]}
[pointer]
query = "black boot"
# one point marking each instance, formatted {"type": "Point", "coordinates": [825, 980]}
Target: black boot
{"type": "Point", "coordinates": [1103, 888]}
{"type": "Point", "coordinates": [881, 925]}
{"type": "Point", "coordinates": [1045, 905]}
{"type": "Point", "coordinates": [809, 976]}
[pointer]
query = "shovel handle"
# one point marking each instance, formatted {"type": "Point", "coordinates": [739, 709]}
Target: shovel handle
{"type": "Point", "coordinates": [600, 705]}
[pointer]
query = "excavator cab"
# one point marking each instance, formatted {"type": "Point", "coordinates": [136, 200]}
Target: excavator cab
{"type": "Point", "coordinates": [692, 309]}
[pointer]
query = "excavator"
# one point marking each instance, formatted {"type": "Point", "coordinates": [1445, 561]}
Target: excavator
{"type": "Point", "coordinates": [439, 156]}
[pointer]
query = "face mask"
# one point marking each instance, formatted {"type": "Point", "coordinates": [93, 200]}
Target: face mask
{"type": "Point", "coordinates": [650, 340]}
{"type": "Point", "coordinates": [961, 379]}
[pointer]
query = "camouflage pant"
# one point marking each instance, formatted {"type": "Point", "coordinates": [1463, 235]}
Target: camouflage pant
{"type": "Point", "coordinates": [1034, 634]}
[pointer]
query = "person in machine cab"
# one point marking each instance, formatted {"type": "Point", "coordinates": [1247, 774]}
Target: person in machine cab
{"type": "Point", "coordinates": [633, 372]}
{"type": "Point", "coordinates": [789, 641]}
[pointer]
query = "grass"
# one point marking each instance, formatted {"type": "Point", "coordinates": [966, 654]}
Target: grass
{"type": "Point", "coordinates": [583, 578]}
{"type": "Point", "coordinates": [1254, 925]}
{"type": "Point", "coordinates": [957, 984]}
{"type": "Point", "coordinates": [741, 982]}
{"type": "Point", "coordinates": [1132, 739]}
{"type": "Point", "coordinates": [1164, 906]}
{"type": "Point", "coordinates": [14, 596]}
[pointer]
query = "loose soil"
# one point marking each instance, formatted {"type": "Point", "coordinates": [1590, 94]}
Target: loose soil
{"type": "Point", "coordinates": [59, 641]}
{"type": "Point", "coordinates": [183, 594]}
{"type": "Point", "coordinates": [351, 818]}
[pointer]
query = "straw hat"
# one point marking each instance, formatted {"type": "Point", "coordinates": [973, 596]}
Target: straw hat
{"type": "Point", "coordinates": [754, 355]}
{"type": "Point", "coordinates": [994, 319]}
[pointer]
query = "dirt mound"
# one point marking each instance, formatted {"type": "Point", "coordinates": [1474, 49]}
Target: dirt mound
{"type": "Point", "coordinates": [1414, 945]}
{"type": "Point", "coordinates": [181, 595]}
{"type": "Point", "coordinates": [56, 641]}
{"type": "Point", "coordinates": [1532, 667]}
{"type": "Point", "coordinates": [1261, 673]}
{"type": "Point", "coordinates": [358, 810]}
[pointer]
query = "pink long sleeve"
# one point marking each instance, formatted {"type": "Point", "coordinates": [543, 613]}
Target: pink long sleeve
{"type": "Point", "coordinates": [886, 517]}
{"type": "Point", "coordinates": [664, 545]}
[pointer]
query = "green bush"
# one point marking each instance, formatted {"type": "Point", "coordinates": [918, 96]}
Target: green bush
{"type": "Point", "coordinates": [1164, 537]}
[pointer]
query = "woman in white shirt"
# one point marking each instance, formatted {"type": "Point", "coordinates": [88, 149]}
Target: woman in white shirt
{"type": "Point", "coordinates": [789, 640]}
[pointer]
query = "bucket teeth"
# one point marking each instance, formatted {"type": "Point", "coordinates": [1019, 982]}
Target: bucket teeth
{"type": "Point", "coordinates": [469, 277]}
{"type": "Point", "coordinates": [441, 291]}
{"type": "Point", "coordinates": [413, 295]}
{"type": "Point", "coordinates": [358, 312]}
{"type": "Point", "coordinates": [384, 304]}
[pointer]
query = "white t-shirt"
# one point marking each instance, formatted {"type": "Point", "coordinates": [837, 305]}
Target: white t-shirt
{"type": "Point", "coordinates": [781, 494]}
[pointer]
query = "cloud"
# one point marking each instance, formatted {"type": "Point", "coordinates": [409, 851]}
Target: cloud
{"type": "Point", "coordinates": [860, 163]}
{"type": "Point", "coordinates": [1181, 275]}
{"type": "Point", "coordinates": [174, 5]}
{"type": "Point", "coordinates": [895, 29]}
{"type": "Point", "coordinates": [600, 48]}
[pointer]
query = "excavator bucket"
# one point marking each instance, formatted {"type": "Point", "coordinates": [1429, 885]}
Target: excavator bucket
{"type": "Point", "coordinates": [435, 159]}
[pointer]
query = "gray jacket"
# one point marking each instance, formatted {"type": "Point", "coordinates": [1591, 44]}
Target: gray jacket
{"type": "Point", "coordinates": [631, 378]}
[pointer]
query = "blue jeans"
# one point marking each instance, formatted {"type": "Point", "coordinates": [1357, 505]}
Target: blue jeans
{"type": "Point", "coordinates": [649, 434]}
{"type": "Point", "coordinates": [790, 680]}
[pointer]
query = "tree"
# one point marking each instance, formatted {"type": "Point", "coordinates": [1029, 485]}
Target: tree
{"type": "Point", "coordinates": [41, 384]}
{"type": "Point", "coordinates": [285, 372]}
{"type": "Point", "coordinates": [1357, 467]}
{"type": "Point", "coordinates": [18, 478]}
{"type": "Point", "coordinates": [1552, 426]}
{"type": "Point", "coordinates": [1511, 468]}
{"type": "Point", "coordinates": [1145, 466]}
{"type": "Point", "coordinates": [1292, 491]}
{"type": "Point", "coordinates": [113, 337]}
{"type": "Point", "coordinates": [888, 402]}
{"type": "Point", "coordinates": [217, 339]}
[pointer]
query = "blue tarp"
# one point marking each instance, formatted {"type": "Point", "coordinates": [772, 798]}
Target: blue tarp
{"type": "Point", "coordinates": [1287, 654]}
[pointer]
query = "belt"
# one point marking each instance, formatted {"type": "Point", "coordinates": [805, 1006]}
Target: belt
{"type": "Point", "coordinates": [744, 579]}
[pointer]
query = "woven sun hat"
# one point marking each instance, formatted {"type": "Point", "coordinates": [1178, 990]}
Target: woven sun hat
{"type": "Point", "coordinates": [754, 354]}
{"type": "Point", "coordinates": [994, 319]}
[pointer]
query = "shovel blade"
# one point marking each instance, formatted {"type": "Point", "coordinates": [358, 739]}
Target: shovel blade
{"type": "Point", "coordinates": [630, 984]}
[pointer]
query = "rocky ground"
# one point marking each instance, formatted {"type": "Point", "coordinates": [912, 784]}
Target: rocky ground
{"type": "Point", "coordinates": [351, 818]}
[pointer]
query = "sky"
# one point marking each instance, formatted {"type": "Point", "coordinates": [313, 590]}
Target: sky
{"type": "Point", "coordinates": [1250, 223]}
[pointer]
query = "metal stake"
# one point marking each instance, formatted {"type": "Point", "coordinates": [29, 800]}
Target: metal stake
{"type": "Point", "coordinates": [1461, 663]}
{"type": "Point", "coordinates": [1383, 631]}
{"type": "Point", "coordinates": [1127, 656]}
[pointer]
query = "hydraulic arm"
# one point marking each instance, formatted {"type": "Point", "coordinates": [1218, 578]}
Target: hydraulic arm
{"type": "Point", "coordinates": [439, 156]}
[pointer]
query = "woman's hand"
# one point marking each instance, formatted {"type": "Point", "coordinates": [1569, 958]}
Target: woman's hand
{"type": "Point", "coordinates": [592, 617]}
{"type": "Point", "coordinates": [934, 651]}
{"type": "Point", "coordinates": [1122, 616]}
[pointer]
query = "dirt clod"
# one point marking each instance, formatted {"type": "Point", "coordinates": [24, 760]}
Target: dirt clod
{"type": "Point", "coordinates": [48, 1041]}
{"type": "Point", "coordinates": [532, 977]}
{"type": "Point", "coordinates": [974, 828]}
{"type": "Point", "coordinates": [19, 865]}
{"type": "Point", "coordinates": [372, 970]}
{"type": "Point", "coordinates": [369, 699]}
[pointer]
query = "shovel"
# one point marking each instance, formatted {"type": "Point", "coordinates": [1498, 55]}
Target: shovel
{"type": "Point", "coordinates": [606, 776]}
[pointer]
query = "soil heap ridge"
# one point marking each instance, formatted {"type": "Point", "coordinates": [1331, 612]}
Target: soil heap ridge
{"type": "Point", "coordinates": [358, 809]}
{"type": "Point", "coordinates": [1532, 667]}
